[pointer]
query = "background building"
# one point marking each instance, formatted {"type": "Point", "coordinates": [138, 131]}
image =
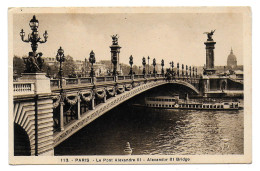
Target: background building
{"type": "Point", "coordinates": [231, 60]}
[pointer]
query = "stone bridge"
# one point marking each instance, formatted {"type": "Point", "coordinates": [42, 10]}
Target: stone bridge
{"type": "Point", "coordinates": [47, 119]}
{"type": "Point", "coordinates": [45, 115]}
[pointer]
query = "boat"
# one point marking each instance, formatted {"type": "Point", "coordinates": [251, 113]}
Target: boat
{"type": "Point", "coordinates": [176, 103]}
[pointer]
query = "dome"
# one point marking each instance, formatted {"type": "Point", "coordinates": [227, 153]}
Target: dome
{"type": "Point", "coordinates": [232, 57]}
{"type": "Point", "coordinates": [231, 60]}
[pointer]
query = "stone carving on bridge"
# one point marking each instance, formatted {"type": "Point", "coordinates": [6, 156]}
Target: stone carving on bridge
{"type": "Point", "coordinates": [128, 87]}
{"type": "Point", "coordinates": [210, 34]}
{"type": "Point", "coordinates": [120, 89]}
{"type": "Point", "coordinates": [57, 102]}
{"type": "Point", "coordinates": [111, 91]}
{"type": "Point", "coordinates": [71, 99]}
{"type": "Point", "coordinates": [86, 96]}
{"type": "Point", "coordinates": [100, 93]}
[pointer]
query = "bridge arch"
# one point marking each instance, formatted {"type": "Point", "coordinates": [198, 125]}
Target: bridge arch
{"type": "Point", "coordinates": [21, 142]}
{"type": "Point", "coordinates": [185, 84]}
{"type": "Point", "coordinates": [111, 103]}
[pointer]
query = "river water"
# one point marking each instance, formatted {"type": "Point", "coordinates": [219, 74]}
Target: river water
{"type": "Point", "coordinates": [159, 131]}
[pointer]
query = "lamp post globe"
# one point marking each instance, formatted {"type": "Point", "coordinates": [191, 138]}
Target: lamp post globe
{"type": "Point", "coordinates": [34, 23]}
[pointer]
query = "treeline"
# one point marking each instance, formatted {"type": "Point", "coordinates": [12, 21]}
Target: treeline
{"type": "Point", "coordinates": [52, 71]}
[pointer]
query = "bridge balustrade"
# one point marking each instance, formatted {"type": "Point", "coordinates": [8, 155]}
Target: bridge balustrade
{"type": "Point", "coordinates": [110, 78]}
{"type": "Point", "coordinates": [23, 88]}
{"type": "Point", "coordinates": [55, 82]}
{"type": "Point", "coordinates": [128, 77]}
{"type": "Point", "coordinates": [121, 77]}
{"type": "Point", "coordinates": [85, 80]}
{"type": "Point", "coordinates": [100, 79]}
{"type": "Point", "coordinates": [138, 76]}
{"type": "Point", "coordinates": [70, 81]}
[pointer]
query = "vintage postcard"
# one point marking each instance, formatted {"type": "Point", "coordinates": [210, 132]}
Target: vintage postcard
{"type": "Point", "coordinates": [132, 85]}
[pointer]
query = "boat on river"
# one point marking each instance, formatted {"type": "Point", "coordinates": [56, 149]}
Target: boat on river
{"type": "Point", "coordinates": [176, 103]}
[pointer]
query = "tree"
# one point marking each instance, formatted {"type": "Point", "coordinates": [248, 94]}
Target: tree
{"type": "Point", "coordinates": [125, 69]}
{"type": "Point", "coordinates": [18, 65]}
{"type": "Point", "coordinates": [69, 66]}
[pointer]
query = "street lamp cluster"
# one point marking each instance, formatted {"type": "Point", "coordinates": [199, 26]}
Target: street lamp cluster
{"type": "Point", "coordinates": [34, 61]}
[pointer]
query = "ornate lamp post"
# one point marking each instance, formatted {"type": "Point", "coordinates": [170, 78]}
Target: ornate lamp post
{"type": "Point", "coordinates": [178, 69]}
{"type": "Point", "coordinates": [190, 71]}
{"type": "Point", "coordinates": [144, 63]}
{"type": "Point", "coordinates": [92, 60]}
{"type": "Point", "coordinates": [182, 70]}
{"type": "Point", "coordinates": [148, 65]}
{"type": "Point", "coordinates": [172, 65]}
{"type": "Point", "coordinates": [187, 75]}
{"type": "Point", "coordinates": [154, 64]}
{"type": "Point", "coordinates": [196, 73]}
{"type": "Point", "coordinates": [131, 65]}
{"type": "Point", "coordinates": [162, 64]}
{"type": "Point", "coordinates": [34, 62]}
{"type": "Point", "coordinates": [60, 57]}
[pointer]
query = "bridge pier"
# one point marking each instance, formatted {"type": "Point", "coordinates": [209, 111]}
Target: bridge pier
{"type": "Point", "coordinates": [92, 103]}
{"type": "Point", "coordinates": [33, 113]}
{"type": "Point", "coordinates": [78, 107]}
{"type": "Point", "coordinates": [61, 123]}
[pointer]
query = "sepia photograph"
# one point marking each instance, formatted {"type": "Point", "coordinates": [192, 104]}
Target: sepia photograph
{"type": "Point", "coordinates": [132, 85]}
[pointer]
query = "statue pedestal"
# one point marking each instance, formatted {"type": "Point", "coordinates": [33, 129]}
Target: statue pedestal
{"type": "Point", "coordinates": [41, 82]}
{"type": "Point", "coordinates": [210, 71]}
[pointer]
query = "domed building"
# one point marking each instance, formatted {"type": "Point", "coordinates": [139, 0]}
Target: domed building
{"type": "Point", "coordinates": [231, 60]}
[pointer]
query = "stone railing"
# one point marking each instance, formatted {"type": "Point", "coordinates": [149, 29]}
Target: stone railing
{"type": "Point", "coordinates": [87, 80]}
{"type": "Point", "coordinates": [23, 88]}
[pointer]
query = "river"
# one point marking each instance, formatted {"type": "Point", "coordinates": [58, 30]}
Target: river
{"type": "Point", "coordinates": [159, 131]}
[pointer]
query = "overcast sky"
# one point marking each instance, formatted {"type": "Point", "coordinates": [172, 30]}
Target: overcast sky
{"type": "Point", "coordinates": [174, 37]}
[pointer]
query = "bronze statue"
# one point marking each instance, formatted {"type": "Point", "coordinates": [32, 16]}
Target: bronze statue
{"type": "Point", "coordinates": [33, 63]}
{"type": "Point", "coordinates": [210, 34]}
{"type": "Point", "coordinates": [115, 39]}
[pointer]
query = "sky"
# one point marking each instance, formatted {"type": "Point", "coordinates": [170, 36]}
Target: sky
{"type": "Point", "coordinates": [174, 37]}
